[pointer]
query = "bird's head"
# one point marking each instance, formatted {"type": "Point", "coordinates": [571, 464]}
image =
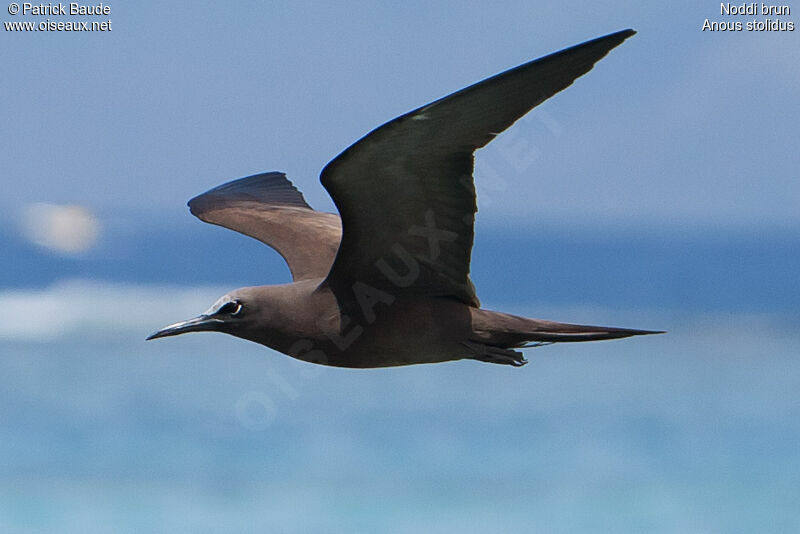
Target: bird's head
{"type": "Point", "coordinates": [229, 314]}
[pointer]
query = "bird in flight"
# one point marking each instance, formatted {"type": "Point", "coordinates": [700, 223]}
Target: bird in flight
{"type": "Point", "coordinates": [386, 282]}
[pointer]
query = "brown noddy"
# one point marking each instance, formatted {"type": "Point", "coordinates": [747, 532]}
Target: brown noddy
{"type": "Point", "coordinates": [386, 282]}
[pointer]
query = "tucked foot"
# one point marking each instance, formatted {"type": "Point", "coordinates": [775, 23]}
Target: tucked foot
{"type": "Point", "coordinates": [492, 354]}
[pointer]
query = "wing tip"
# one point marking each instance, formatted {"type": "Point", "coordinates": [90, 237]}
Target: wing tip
{"type": "Point", "coordinates": [621, 35]}
{"type": "Point", "coordinates": [266, 187]}
{"type": "Point", "coordinates": [613, 39]}
{"type": "Point", "coordinates": [193, 205]}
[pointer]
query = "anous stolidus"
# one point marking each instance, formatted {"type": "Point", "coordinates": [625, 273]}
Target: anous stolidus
{"type": "Point", "coordinates": [386, 282]}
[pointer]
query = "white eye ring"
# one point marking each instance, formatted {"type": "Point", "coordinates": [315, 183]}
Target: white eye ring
{"type": "Point", "coordinates": [223, 310]}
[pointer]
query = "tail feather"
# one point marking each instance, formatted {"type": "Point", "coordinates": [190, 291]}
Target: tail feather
{"type": "Point", "coordinates": [506, 330]}
{"type": "Point", "coordinates": [576, 332]}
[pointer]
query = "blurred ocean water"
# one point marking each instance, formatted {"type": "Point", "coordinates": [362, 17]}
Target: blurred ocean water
{"type": "Point", "coordinates": [694, 431]}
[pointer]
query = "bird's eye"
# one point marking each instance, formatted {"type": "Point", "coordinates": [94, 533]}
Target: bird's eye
{"type": "Point", "coordinates": [230, 308]}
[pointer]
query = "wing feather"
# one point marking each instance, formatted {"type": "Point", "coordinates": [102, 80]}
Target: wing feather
{"type": "Point", "coordinates": [405, 191]}
{"type": "Point", "coordinates": [269, 208]}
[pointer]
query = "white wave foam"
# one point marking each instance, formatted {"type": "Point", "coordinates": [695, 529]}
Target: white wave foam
{"type": "Point", "coordinates": [97, 309]}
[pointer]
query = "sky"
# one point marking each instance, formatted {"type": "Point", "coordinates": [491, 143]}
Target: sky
{"type": "Point", "coordinates": [659, 191]}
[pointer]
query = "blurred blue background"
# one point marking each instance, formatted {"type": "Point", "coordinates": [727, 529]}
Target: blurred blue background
{"type": "Point", "coordinates": [660, 191]}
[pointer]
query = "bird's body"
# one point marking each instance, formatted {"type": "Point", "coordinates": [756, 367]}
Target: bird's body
{"type": "Point", "coordinates": [409, 330]}
{"type": "Point", "coordinates": [305, 321]}
{"type": "Point", "coordinates": [386, 282]}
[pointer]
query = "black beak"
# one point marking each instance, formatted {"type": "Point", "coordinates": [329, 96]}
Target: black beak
{"type": "Point", "coordinates": [201, 323]}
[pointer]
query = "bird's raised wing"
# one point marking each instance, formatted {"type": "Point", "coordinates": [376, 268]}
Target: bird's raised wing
{"type": "Point", "coordinates": [405, 191]}
{"type": "Point", "coordinates": [269, 208]}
